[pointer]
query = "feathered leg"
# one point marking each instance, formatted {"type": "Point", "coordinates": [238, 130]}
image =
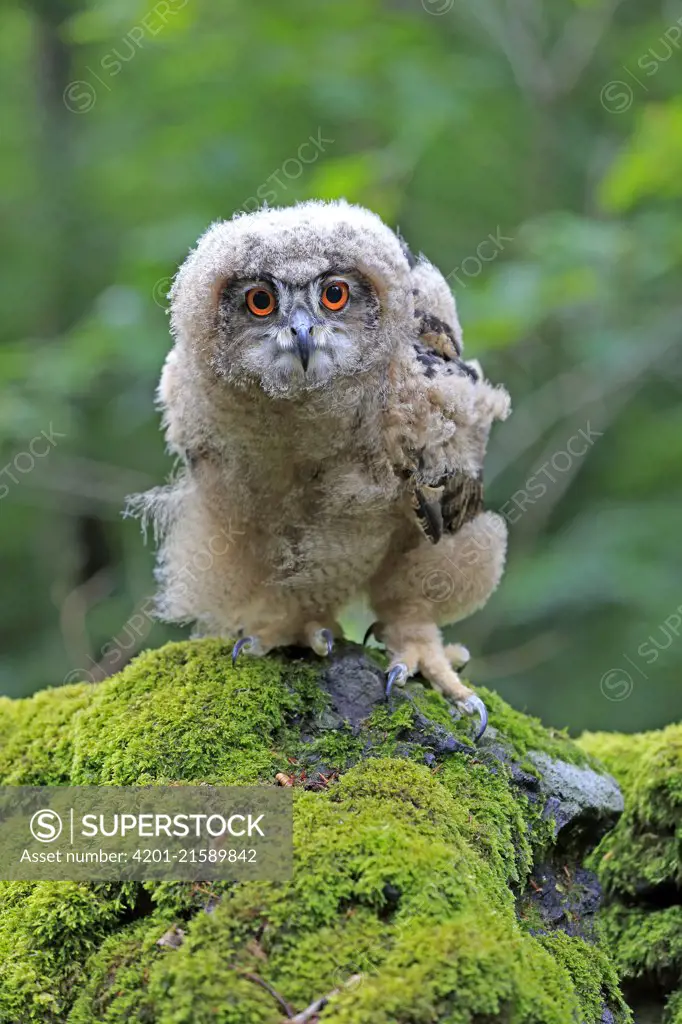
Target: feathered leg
{"type": "Point", "coordinates": [432, 585]}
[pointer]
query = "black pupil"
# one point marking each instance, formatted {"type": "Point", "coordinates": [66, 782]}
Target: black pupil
{"type": "Point", "coordinates": [334, 293]}
{"type": "Point", "coordinates": [261, 300]}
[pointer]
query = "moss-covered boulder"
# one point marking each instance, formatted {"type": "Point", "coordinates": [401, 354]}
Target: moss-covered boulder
{"type": "Point", "coordinates": [435, 881]}
{"type": "Point", "coordinates": [640, 867]}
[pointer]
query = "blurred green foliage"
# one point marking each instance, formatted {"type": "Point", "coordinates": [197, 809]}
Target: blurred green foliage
{"type": "Point", "coordinates": [553, 129]}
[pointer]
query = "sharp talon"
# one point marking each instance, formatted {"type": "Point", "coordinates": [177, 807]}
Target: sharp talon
{"type": "Point", "coordinates": [370, 632]}
{"type": "Point", "coordinates": [322, 642]}
{"type": "Point", "coordinates": [327, 635]}
{"type": "Point", "coordinates": [238, 647]}
{"type": "Point", "coordinates": [473, 705]}
{"type": "Point", "coordinates": [396, 677]}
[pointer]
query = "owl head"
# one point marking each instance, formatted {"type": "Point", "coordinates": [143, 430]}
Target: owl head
{"type": "Point", "coordinates": [289, 300]}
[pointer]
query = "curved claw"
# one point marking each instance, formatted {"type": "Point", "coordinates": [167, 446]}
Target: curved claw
{"type": "Point", "coordinates": [396, 677]}
{"type": "Point", "coordinates": [328, 636]}
{"type": "Point", "coordinates": [473, 705]}
{"type": "Point", "coordinates": [369, 632]}
{"type": "Point", "coordinates": [238, 647]}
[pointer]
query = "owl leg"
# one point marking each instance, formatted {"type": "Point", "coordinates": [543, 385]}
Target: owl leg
{"type": "Point", "coordinates": [421, 649]}
{"type": "Point", "coordinates": [437, 584]}
{"type": "Point", "coordinates": [457, 654]}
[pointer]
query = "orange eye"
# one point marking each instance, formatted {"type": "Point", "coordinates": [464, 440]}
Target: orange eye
{"type": "Point", "coordinates": [335, 295]}
{"type": "Point", "coordinates": [260, 301]}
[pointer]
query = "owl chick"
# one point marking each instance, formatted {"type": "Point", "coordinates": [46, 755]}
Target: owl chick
{"type": "Point", "coordinates": [331, 441]}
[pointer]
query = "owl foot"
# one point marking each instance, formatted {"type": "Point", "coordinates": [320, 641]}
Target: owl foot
{"type": "Point", "coordinates": [322, 642]}
{"type": "Point", "coordinates": [320, 639]}
{"type": "Point", "coordinates": [457, 654]}
{"type": "Point", "coordinates": [397, 676]}
{"type": "Point", "coordinates": [471, 705]}
{"type": "Point", "coordinates": [419, 648]}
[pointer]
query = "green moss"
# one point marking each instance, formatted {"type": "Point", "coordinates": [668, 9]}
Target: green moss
{"type": "Point", "coordinates": [673, 1010]}
{"type": "Point", "coordinates": [181, 713]}
{"type": "Point", "coordinates": [494, 821]}
{"type": "Point", "coordinates": [646, 942]}
{"type": "Point", "coordinates": [377, 856]}
{"type": "Point", "coordinates": [47, 931]}
{"type": "Point", "coordinates": [526, 734]}
{"type": "Point", "coordinates": [648, 767]}
{"type": "Point", "coordinates": [341, 747]}
{"type": "Point", "coordinates": [405, 873]}
{"type": "Point", "coordinates": [10, 710]}
{"type": "Point", "coordinates": [385, 887]}
{"type": "Point", "coordinates": [184, 714]}
{"type": "Point", "coordinates": [628, 864]}
{"type": "Point", "coordinates": [476, 969]}
{"type": "Point", "coordinates": [641, 859]}
{"type": "Point", "coordinates": [645, 850]}
{"type": "Point", "coordinates": [593, 975]}
{"type": "Point", "coordinates": [36, 740]}
{"type": "Point", "coordinates": [116, 989]}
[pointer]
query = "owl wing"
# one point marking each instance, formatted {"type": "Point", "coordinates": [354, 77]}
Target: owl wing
{"type": "Point", "coordinates": [447, 507]}
{"type": "Point", "coordinates": [442, 414]}
{"type": "Point", "coordinates": [443, 505]}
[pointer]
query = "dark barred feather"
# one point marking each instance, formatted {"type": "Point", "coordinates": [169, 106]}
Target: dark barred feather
{"type": "Point", "coordinates": [445, 505]}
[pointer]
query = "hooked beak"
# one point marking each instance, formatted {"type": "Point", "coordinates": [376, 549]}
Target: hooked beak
{"type": "Point", "coordinates": [301, 324]}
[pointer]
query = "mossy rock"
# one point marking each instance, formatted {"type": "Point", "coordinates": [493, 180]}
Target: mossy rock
{"type": "Point", "coordinates": [435, 881]}
{"type": "Point", "coordinates": [639, 864]}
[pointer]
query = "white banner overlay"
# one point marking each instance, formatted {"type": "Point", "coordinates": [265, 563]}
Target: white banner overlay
{"type": "Point", "coordinates": [121, 833]}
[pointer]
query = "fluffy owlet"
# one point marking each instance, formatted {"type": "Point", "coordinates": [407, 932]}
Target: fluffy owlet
{"type": "Point", "coordinates": [331, 439]}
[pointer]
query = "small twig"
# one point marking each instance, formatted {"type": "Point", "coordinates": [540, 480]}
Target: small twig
{"type": "Point", "coordinates": [308, 1015]}
{"type": "Point", "coordinates": [287, 1007]}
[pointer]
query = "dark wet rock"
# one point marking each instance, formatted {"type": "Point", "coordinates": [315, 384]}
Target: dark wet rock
{"type": "Point", "coordinates": [564, 897]}
{"type": "Point", "coordinates": [355, 685]}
